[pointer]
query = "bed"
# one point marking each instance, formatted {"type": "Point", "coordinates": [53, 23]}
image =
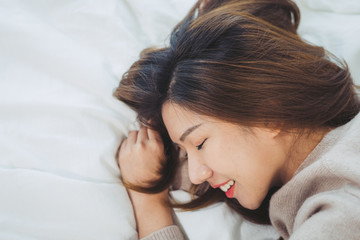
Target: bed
{"type": "Point", "coordinates": [60, 126]}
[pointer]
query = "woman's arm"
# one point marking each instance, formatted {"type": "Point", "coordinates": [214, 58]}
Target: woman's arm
{"type": "Point", "coordinates": [140, 158]}
{"type": "Point", "coordinates": [151, 212]}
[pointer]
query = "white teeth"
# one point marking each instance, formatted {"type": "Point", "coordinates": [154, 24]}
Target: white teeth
{"type": "Point", "coordinates": [227, 186]}
{"type": "Point", "coordinates": [223, 188]}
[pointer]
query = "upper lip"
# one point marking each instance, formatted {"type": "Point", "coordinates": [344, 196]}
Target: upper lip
{"type": "Point", "coordinates": [218, 185]}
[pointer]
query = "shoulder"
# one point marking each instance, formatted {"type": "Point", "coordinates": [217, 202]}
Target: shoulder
{"type": "Point", "coordinates": [320, 203]}
{"type": "Point", "coordinates": [329, 215]}
{"type": "Point", "coordinates": [343, 159]}
{"type": "Point", "coordinates": [336, 156]}
{"type": "Point", "coordinates": [329, 177]}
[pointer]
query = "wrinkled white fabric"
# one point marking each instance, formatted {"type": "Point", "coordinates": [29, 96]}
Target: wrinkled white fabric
{"type": "Point", "coordinates": [60, 127]}
{"type": "Point", "coordinates": [334, 25]}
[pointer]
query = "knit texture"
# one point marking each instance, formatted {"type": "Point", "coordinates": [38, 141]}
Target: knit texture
{"type": "Point", "coordinates": [168, 233]}
{"type": "Point", "coordinates": [322, 200]}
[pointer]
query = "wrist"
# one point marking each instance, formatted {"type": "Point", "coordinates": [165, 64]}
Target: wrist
{"type": "Point", "coordinates": [152, 212]}
{"type": "Point", "coordinates": [139, 198]}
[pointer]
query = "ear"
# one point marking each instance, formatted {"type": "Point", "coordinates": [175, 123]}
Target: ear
{"type": "Point", "coordinates": [275, 132]}
{"type": "Point", "coordinates": [203, 6]}
{"type": "Point", "coordinates": [208, 5]}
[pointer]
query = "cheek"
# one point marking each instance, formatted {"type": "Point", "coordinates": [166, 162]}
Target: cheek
{"type": "Point", "coordinates": [222, 158]}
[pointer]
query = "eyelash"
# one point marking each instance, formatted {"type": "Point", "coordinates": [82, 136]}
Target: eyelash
{"type": "Point", "coordinates": [199, 147]}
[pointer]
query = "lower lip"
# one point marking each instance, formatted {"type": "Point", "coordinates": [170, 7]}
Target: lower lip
{"type": "Point", "coordinates": [230, 192]}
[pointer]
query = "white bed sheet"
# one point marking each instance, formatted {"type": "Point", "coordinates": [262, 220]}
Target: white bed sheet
{"type": "Point", "coordinates": [60, 126]}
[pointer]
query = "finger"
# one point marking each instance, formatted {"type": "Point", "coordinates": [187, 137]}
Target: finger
{"type": "Point", "coordinates": [122, 145]}
{"type": "Point", "coordinates": [120, 151]}
{"type": "Point", "coordinates": [143, 134]}
{"type": "Point", "coordinates": [132, 137]}
{"type": "Point", "coordinates": [153, 135]}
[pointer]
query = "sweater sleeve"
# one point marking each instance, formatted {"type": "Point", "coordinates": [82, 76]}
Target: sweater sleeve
{"type": "Point", "coordinates": [329, 215]}
{"type": "Point", "coordinates": [167, 233]}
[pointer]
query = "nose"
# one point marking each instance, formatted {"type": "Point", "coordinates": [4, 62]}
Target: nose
{"type": "Point", "coordinates": [198, 172]}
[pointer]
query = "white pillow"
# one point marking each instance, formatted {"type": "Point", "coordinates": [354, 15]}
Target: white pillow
{"type": "Point", "coordinates": [334, 25]}
{"type": "Point", "coordinates": [60, 126]}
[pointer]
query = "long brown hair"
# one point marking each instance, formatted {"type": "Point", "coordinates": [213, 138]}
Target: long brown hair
{"type": "Point", "coordinates": [240, 61]}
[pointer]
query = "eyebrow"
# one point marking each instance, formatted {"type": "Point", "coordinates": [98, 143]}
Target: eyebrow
{"type": "Point", "coordinates": [187, 132]}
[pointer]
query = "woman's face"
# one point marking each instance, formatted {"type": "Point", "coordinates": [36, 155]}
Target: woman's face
{"type": "Point", "coordinates": [243, 162]}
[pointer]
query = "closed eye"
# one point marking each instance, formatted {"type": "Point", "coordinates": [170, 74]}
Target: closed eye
{"type": "Point", "coordinates": [201, 145]}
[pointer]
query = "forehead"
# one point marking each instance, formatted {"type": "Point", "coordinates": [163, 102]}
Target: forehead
{"type": "Point", "coordinates": [178, 119]}
{"type": "Point", "coordinates": [172, 112]}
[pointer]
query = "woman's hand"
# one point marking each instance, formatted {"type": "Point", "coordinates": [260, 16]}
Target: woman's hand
{"type": "Point", "coordinates": [141, 157]}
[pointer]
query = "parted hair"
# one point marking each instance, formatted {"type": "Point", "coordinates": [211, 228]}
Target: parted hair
{"type": "Point", "coordinates": [243, 62]}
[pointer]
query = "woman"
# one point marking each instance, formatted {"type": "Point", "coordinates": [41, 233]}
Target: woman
{"type": "Point", "coordinates": [269, 124]}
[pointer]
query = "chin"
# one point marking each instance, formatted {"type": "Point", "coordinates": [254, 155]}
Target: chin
{"type": "Point", "coordinates": [251, 205]}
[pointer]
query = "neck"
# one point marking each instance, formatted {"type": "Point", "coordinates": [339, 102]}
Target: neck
{"type": "Point", "coordinates": [299, 148]}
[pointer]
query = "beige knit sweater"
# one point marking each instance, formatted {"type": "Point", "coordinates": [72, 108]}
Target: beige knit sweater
{"type": "Point", "coordinates": [322, 200]}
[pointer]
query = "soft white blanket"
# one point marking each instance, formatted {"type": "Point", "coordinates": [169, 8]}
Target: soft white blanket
{"type": "Point", "coordinates": [60, 127]}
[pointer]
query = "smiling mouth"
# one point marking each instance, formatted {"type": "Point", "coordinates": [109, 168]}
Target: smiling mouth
{"type": "Point", "coordinates": [227, 188]}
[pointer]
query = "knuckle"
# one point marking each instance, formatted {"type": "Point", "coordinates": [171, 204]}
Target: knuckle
{"type": "Point", "coordinates": [132, 134]}
{"type": "Point", "coordinates": [140, 146]}
{"type": "Point", "coordinates": [157, 150]}
{"type": "Point", "coordinates": [154, 145]}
